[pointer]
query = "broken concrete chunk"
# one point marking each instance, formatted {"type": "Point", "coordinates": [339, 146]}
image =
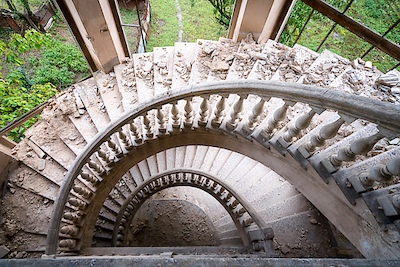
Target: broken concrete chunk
{"type": "Point", "coordinates": [368, 65]}
{"type": "Point", "coordinates": [209, 49]}
{"type": "Point", "coordinates": [242, 56]}
{"type": "Point", "coordinates": [218, 64]}
{"type": "Point", "coordinates": [390, 79]}
{"type": "Point", "coordinates": [3, 251]}
{"type": "Point", "coordinates": [148, 66]}
{"type": "Point", "coordinates": [41, 164]}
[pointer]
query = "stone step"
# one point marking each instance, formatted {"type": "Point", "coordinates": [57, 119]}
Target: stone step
{"type": "Point", "coordinates": [144, 169]}
{"type": "Point", "coordinates": [108, 88]}
{"type": "Point", "coordinates": [209, 159]}
{"type": "Point", "coordinates": [201, 152]}
{"type": "Point", "coordinates": [229, 234]}
{"type": "Point", "coordinates": [232, 241]}
{"type": "Point", "coordinates": [161, 161]}
{"type": "Point", "coordinates": [220, 161]}
{"type": "Point", "coordinates": [233, 160]}
{"type": "Point", "coordinates": [191, 152]}
{"type": "Point", "coordinates": [163, 69]}
{"type": "Point", "coordinates": [90, 95]}
{"type": "Point", "coordinates": [126, 81]}
{"type": "Point", "coordinates": [184, 54]}
{"type": "Point", "coordinates": [203, 61]}
{"type": "Point", "coordinates": [144, 73]}
{"type": "Point", "coordinates": [180, 157]}
{"type": "Point", "coordinates": [136, 175]}
{"type": "Point", "coordinates": [153, 165]}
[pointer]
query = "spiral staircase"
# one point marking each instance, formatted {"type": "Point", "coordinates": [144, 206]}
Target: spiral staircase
{"type": "Point", "coordinates": [288, 152]}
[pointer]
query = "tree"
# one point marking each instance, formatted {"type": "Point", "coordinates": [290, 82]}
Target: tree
{"type": "Point", "coordinates": [223, 11]}
{"type": "Point", "coordinates": [28, 15]}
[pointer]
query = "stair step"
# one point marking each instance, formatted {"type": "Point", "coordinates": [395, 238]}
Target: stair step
{"type": "Point", "coordinates": [240, 170]}
{"type": "Point", "coordinates": [43, 136]}
{"type": "Point", "coordinates": [29, 179]}
{"type": "Point", "coordinates": [57, 118]}
{"type": "Point", "coordinates": [144, 170]}
{"type": "Point", "coordinates": [184, 54]}
{"type": "Point", "coordinates": [202, 61]}
{"type": "Point", "coordinates": [144, 72]}
{"type": "Point", "coordinates": [209, 158]}
{"type": "Point", "coordinates": [45, 165]}
{"type": "Point", "coordinates": [201, 152]}
{"type": "Point", "coordinates": [161, 161]}
{"type": "Point", "coordinates": [170, 155]}
{"type": "Point", "coordinates": [90, 95]}
{"type": "Point", "coordinates": [153, 166]}
{"type": "Point", "coordinates": [275, 196]}
{"type": "Point", "coordinates": [249, 178]}
{"type": "Point", "coordinates": [268, 182]}
{"type": "Point", "coordinates": [180, 157]}
{"type": "Point", "coordinates": [190, 156]}
{"type": "Point", "coordinates": [220, 160]}
{"type": "Point", "coordinates": [126, 81]}
{"type": "Point", "coordinates": [229, 234]}
{"type": "Point", "coordinates": [136, 175]}
{"type": "Point", "coordinates": [232, 241]}
{"type": "Point", "coordinates": [163, 69]}
{"type": "Point", "coordinates": [233, 160]}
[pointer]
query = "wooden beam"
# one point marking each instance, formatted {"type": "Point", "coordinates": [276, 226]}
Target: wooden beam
{"type": "Point", "coordinates": [355, 27]}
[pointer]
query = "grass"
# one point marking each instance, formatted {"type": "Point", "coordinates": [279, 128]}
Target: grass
{"type": "Point", "coordinates": [198, 22]}
{"type": "Point", "coordinates": [378, 15]}
{"type": "Point", "coordinates": [129, 16]}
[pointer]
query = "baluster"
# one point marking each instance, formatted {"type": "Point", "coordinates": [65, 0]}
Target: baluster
{"type": "Point", "coordinates": [219, 112]}
{"type": "Point", "coordinates": [278, 116]}
{"type": "Point", "coordinates": [147, 126]}
{"type": "Point", "coordinates": [235, 114]}
{"type": "Point", "coordinates": [188, 122]}
{"type": "Point", "coordinates": [72, 217]}
{"type": "Point", "coordinates": [257, 110]}
{"type": "Point", "coordinates": [358, 147]}
{"type": "Point", "coordinates": [90, 178]}
{"type": "Point", "coordinates": [83, 191]}
{"type": "Point", "coordinates": [162, 125]}
{"type": "Point", "coordinates": [247, 222]}
{"type": "Point", "coordinates": [204, 110]}
{"type": "Point", "coordinates": [115, 148]}
{"type": "Point", "coordinates": [135, 133]}
{"type": "Point", "coordinates": [77, 203]}
{"type": "Point", "coordinates": [301, 123]}
{"type": "Point", "coordinates": [67, 243]}
{"type": "Point", "coordinates": [327, 132]}
{"type": "Point", "coordinates": [381, 173]}
{"type": "Point", "coordinates": [239, 213]}
{"type": "Point", "coordinates": [104, 156]}
{"type": "Point", "coordinates": [175, 117]}
{"type": "Point", "coordinates": [124, 139]}
{"type": "Point", "coordinates": [69, 230]}
{"type": "Point", "coordinates": [94, 166]}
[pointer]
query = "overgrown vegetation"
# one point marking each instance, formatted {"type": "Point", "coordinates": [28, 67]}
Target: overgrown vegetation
{"type": "Point", "coordinates": [378, 15]}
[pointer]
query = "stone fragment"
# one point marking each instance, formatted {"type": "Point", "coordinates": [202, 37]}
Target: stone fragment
{"type": "Point", "coordinates": [148, 67]}
{"type": "Point", "coordinates": [3, 251]}
{"type": "Point", "coordinates": [313, 221]}
{"type": "Point", "coordinates": [219, 64]}
{"type": "Point", "coordinates": [368, 65]}
{"type": "Point", "coordinates": [242, 56]}
{"type": "Point", "coordinates": [209, 49]}
{"type": "Point", "coordinates": [285, 249]}
{"type": "Point", "coordinates": [41, 164]}
{"type": "Point", "coordinates": [161, 64]}
{"type": "Point", "coordinates": [395, 90]}
{"type": "Point", "coordinates": [395, 141]}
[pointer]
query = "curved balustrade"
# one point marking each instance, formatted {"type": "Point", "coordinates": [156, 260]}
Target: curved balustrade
{"type": "Point", "coordinates": [139, 126]}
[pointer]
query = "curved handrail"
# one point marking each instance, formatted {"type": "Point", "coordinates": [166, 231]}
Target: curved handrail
{"type": "Point", "coordinates": [249, 209]}
{"type": "Point", "coordinates": [385, 114]}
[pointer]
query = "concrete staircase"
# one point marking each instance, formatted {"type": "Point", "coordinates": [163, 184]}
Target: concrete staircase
{"type": "Point", "coordinates": [86, 108]}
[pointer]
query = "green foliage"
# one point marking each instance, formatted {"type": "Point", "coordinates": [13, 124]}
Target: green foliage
{"type": "Point", "coordinates": [222, 11]}
{"type": "Point", "coordinates": [17, 94]}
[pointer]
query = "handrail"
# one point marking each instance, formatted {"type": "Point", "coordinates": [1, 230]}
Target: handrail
{"type": "Point", "coordinates": [386, 115]}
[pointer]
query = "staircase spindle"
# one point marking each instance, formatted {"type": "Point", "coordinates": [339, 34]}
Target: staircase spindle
{"type": "Point", "coordinates": [175, 117]}
{"type": "Point", "coordinates": [162, 128]}
{"type": "Point", "coordinates": [115, 148]}
{"type": "Point", "coordinates": [381, 173]}
{"type": "Point", "coordinates": [257, 110]}
{"type": "Point", "coordinates": [104, 156]}
{"type": "Point", "coordinates": [278, 116]}
{"type": "Point", "coordinates": [219, 112]}
{"type": "Point", "coordinates": [94, 166]}
{"type": "Point", "coordinates": [83, 191]}
{"type": "Point", "coordinates": [188, 122]}
{"type": "Point", "coordinates": [77, 203]}
{"type": "Point", "coordinates": [90, 178]}
{"type": "Point", "coordinates": [69, 230]}
{"type": "Point", "coordinates": [135, 133]}
{"type": "Point", "coordinates": [235, 114]}
{"type": "Point", "coordinates": [327, 132]}
{"type": "Point", "coordinates": [124, 139]}
{"type": "Point", "coordinates": [358, 147]}
{"type": "Point", "coordinates": [204, 110]}
{"type": "Point", "coordinates": [301, 123]}
{"type": "Point", "coordinates": [147, 126]}
{"type": "Point", "coordinates": [67, 243]}
{"type": "Point", "coordinates": [72, 217]}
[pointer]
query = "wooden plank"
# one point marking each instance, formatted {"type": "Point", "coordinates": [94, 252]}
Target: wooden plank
{"type": "Point", "coordinates": [355, 27]}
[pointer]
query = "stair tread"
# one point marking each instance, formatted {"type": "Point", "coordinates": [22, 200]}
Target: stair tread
{"type": "Point", "coordinates": [183, 58]}
{"type": "Point", "coordinates": [90, 96]}
{"type": "Point", "coordinates": [190, 156]}
{"type": "Point", "coordinates": [202, 61]}
{"type": "Point", "coordinates": [163, 69]}
{"type": "Point", "coordinates": [170, 155]}
{"type": "Point", "coordinates": [144, 73]}
{"type": "Point", "coordinates": [161, 161]}
{"type": "Point", "coordinates": [44, 137]}
{"type": "Point", "coordinates": [220, 160]}
{"type": "Point", "coordinates": [126, 80]}
{"type": "Point", "coordinates": [153, 167]}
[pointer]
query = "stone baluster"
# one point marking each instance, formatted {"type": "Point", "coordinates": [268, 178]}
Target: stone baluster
{"type": "Point", "coordinates": [67, 243]}
{"type": "Point", "coordinates": [72, 217]}
{"type": "Point", "coordinates": [234, 204]}
{"type": "Point", "coordinates": [235, 114]}
{"type": "Point", "coordinates": [124, 139]}
{"type": "Point", "coordinates": [175, 117]}
{"type": "Point", "coordinates": [95, 167]}
{"type": "Point", "coordinates": [301, 123]}
{"type": "Point", "coordinates": [90, 178]}
{"type": "Point", "coordinates": [381, 173]}
{"type": "Point", "coordinates": [135, 133]}
{"type": "Point", "coordinates": [115, 148]}
{"type": "Point", "coordinates": [77, 203]}
{"type": "Point", "coordinates": [239, 213]}
{"type": "Point", "coordinates": [188, 121]}
{"type": "Point", "coordinates": [147, 126]}
{"type": "Point", "coordinates": [358, 147]}
{"type": "Point", "coordinates": [162, 125]}
{"type": "Point", "coordinates": [83, 191]}
{"type": "Point", "coordinates": [105, 157]}
{"type": "Point", "coordinates": [326, 132]}
{"type": "Point", "coordinates": [257, 110]}
{"type": "Point", "coordinates": [219, 112]}
{"type": "Point", "coordinates": [247, 222]}
{"type": "Point", "coordinates": [71, 230]}
{"type": "Point", "coordinates": [396, 200]}
{"type": "Point", "coordinates": [272, 123]}
{"type": "Point", "coordinates": [204, 110]}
